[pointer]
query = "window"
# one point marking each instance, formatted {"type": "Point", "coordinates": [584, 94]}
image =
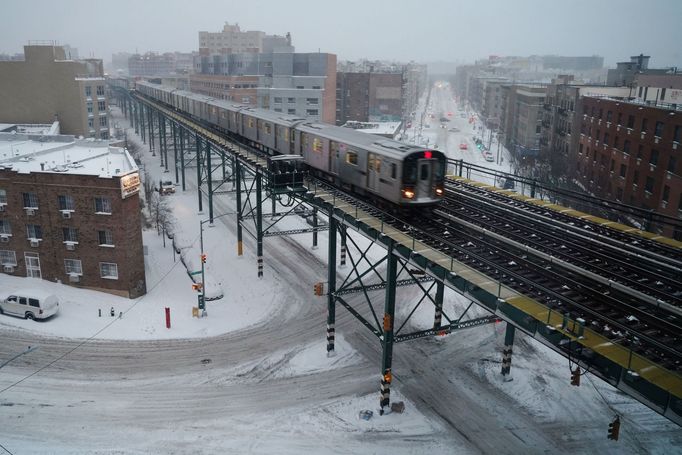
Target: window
{"type": "Point", "coordinates": [626, 146]}
{"type": "Point", "coordinates": [609, 116]}
{"type": "Point", "coordinates": [268, 128]}
{"type": "Point", "coordinates": [653, 159]}
{"type": "Point", "coordinates": [34, 231]}
{"type": "Point", "coordinates": [666, 193]}
{"type": "Point", "coordinates": [645, 123]}
{"type": "Point", "coordinates": [640, 150]}
{"type": "Point", "coordinates": [649, 185]}
{"type": "Point", "coordinates": [34, 302]}
{"type": "Point", "coordinates": [278, 100]}
{"type": "Point", "coordinates": [102, 106]}
{"type": "Point", "coordinates": [91, 123]}
{"type": "Point", "coordinates": [635, 178]}
{"type": "Point", "coordinates": [352, 158]}
{"type": "Point", "coordinates": [102, 121]}
{"type": "Point", "coordinates": [658, 129]}
{"type": "Point", "coordinates": [104, 135]}
{"type": "Point", "coordinates": [620, 118]}
{"type": "Point", "coordinates": [108, 270]}
{"type": "Point", "coordinates": [3, 196]}
{"type": "Point", "coordinates": [615, 142]}
{"type": "Point", "coordinates": [291, 111]}
{"type": "Point", "coordinates": [394, 170]}
{"type": "Point", "coordinates": [623, 170]}
{"type": "Point", "coordinates": [291, 100]}
{"type": "Point", "coordinates": [100, 90]}
{"type": "Point", "coordinates": [88, 91]}
{"type": "Point", "coordinates": [30, 200]}
{"type": "Point", "coordinates": [89, 105]}
{"type": "Point", "coordinates": [613, 164]}
{"type": "Point", "coordinates": [250, 123]}
{"type": "Point", "coordinates": [672, 164]}
{"type": "Point", "coordinates": [278, 109]}
{"type": "Point", "coordinates": [73, 266]}
{"type": "Point", "coordinates": [606, 138]}
{"type": "Point", "coordinates": [312, 112]}
{"type": "Point", "coordinates": [105, 238]}
{"type": "Point", "coordinates": [8, 257]}
{"type": "Point", "coordinates": [102, 205]}
{"type": "Point", "coordinates": [317, 145]}
{"type": "Point", "coordinates": [311, 101]}
{"type": "Point", "coordinates": [316, 87]}
{"type": "Point", "coordinates": [300, 87]}
{"type": "Point", "coordinates": [631, 121]}
{"type": "Point", "coordinates": [70, 234]}
{"type": "Point", "coordinates": [5, 227]}
{"type": "Point", "coordinates": [677, 136]}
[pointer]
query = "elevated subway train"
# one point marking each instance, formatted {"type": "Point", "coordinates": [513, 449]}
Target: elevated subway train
{"type": "Point", "coordinates": [385, 170]}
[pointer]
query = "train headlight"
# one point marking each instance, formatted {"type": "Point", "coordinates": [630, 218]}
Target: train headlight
{"type": "Point", "coordinates": [408, 193]}
{"type": "Point", "coordinates": [439, 191]}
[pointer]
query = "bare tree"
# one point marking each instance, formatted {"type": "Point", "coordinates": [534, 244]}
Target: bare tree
{"type": "Point", "coordinates": [162, 214]}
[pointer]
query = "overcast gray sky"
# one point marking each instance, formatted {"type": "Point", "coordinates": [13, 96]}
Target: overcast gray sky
{"type": "Point", "coordinates": [423, 30]}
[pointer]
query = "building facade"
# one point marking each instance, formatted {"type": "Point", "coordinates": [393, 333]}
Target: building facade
{"type": "Point", "coordinates": [521, 124]}
{"type": "Point", "coordinates": [629, 151]}
{"type": "Point", "coordinates": [232, 40]}
{"type": "Point", "coordinates": [369, 97]}
{"type": "Point", "coordinates": [47, 86]}
{"type": "Point", "coordinates": [70, 212]}
{"type": "Point", "coordinates": [302, 84]}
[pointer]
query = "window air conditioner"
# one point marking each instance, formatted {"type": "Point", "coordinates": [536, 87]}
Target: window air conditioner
{"type": "Point", "coordinates": [70, 246]}
{"type": "Point", "coordinates": [73, 278]}
{"type": "Point", "coordinates": [2, 207]}
{"type": "Point", "coordinates": [66, 215]}
{"type": "Point", "coordinates": [30, 212]}
{"type": "Point", "coordinates": [35, 243]}
{"type": "Point", "coordinates": [4, 238]}
{"type": "Point", "coordinates": [8, 269]}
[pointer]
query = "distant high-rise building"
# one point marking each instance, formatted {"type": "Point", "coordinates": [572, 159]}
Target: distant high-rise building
{"type": "Point", "coordinates": [232, 40]}
{"type": "Point", "coordinates": [48, 86]}
{"type": "Point", "coordinates": [151, 64]}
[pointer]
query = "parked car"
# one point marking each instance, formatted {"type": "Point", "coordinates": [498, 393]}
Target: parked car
{"type": "Point", "coordinates": [463, 146]}
{"type": "Point", "coordinates": [167, 187]}
{"type": "Point", "coordinates": [30, 304]}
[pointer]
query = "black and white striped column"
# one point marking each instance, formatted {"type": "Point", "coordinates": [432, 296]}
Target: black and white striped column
{"type": "Point", "coordinates": [385, 399]}
{"type": "Point", "coordinates": [507, 352]}
{"type": "Point", "coordinates": [260, 266]}
{"type": "Point", "coordinates": [330, 338]}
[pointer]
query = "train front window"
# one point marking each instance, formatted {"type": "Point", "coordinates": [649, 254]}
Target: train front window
{"type": "Point", "coordinates": [424, 174]}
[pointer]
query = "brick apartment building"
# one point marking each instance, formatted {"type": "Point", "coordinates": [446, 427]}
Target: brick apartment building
{"type": "Point", "coordinates": [366, 97]}
{"type": "Point", "coordinates": [70, 212]}
{"type": "Point", "coordinates": [629, 151]}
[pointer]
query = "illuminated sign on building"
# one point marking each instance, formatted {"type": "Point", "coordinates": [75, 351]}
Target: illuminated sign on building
{"type": "Point", "coordinates": [130, 184]}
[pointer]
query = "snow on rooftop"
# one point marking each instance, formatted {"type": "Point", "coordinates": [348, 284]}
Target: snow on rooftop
{"type": "Point", "coordinates": [382, 128]}
{"type": "Point", "coordinates": [63, 154]}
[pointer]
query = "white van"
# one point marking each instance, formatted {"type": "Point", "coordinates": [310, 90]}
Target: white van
{"type": "Point", "coordinates": [30, 304]}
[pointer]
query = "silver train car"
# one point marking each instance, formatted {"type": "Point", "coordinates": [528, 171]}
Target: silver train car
{"type": "Point", "coordinates": [381, 169]}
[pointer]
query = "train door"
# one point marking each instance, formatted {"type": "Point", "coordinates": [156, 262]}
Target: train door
{"type": "Point", "coordinates": [276, 137]}
{"type": "Point", "coordinates": [425, 177]}
{"type": "Point", "coordinates": [373, 171]}
{"type": "Point", "coordinates": [334, 157]}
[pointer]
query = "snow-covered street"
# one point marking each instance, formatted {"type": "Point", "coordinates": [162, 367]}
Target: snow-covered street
{"type": "Point", "coordinates": [253, 376]}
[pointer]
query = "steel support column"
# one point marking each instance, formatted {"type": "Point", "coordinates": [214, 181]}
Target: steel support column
{"type": "Point", "coordinates": [259, 223]}
{"type": "Point", "coordinates": [331, 286]}
{"type": "Point", "coordinates": [197, 142]}
{"type": "Point", "coordinates": [438, 302]}
{"type": "Point", "coordinates": [162, 133]}
{"type": "Point", "coordinates": [315, 228]}
{"type": "Point", "coordinates": [182, 156]}
{"type": "Point", "coordinates": [507, 353]}
{"type": "Point", "coordinates": [175, 151]}
{"type": "Point", "coordinates": [209, 181]}
{"type": "Point", "coordinates": [238, 178]}
{"type": "Point", "coordinates": [387, 339]}
{"type": "Point", "coordinates": [150, 125]}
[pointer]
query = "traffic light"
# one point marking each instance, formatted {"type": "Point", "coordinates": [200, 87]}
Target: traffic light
{"type": "Point", "coordinates": [575, 377]}
{"type": "Point", "coordinates": [203, 258]}
{"type": "Point", "coordinates": [201, 302]}
{"type": "Point", "coordinates": [614, 429]}
{"type": "Point", "coordinates": [318, 288]}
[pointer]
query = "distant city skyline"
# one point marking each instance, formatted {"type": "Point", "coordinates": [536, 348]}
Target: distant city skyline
{"type": "Point", "coordinates": [424, 32]}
